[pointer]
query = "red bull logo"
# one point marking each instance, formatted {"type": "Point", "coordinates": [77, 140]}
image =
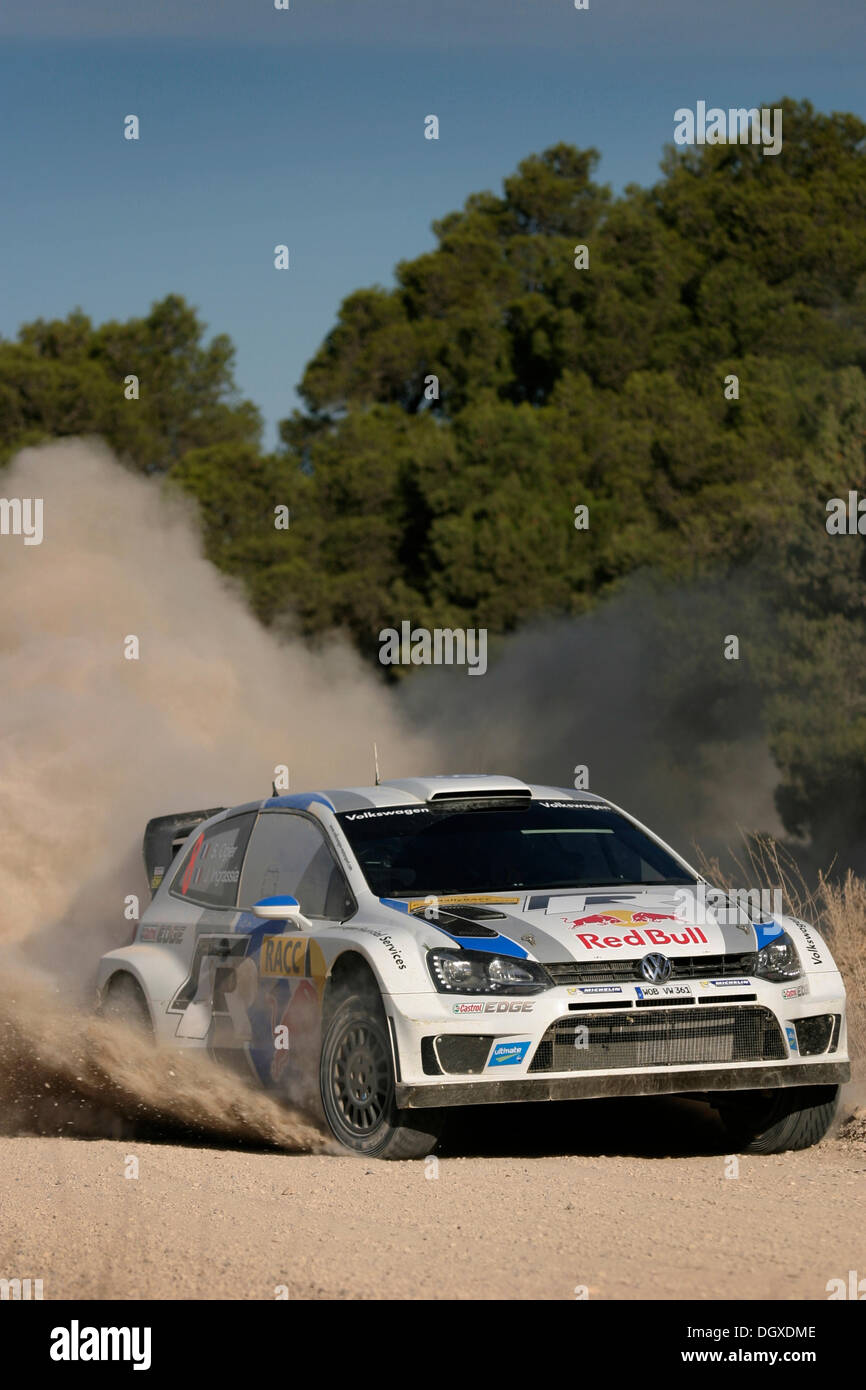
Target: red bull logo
{"type": "Point", "coordinates": [641, 934]}
{"type": "Point", "coordinates": [650, 936]}
{"type": "Point", "coordinates": [623, 919]}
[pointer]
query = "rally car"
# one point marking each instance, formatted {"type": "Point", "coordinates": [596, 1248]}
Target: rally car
{"type": "Point", "coordinates": [387, 953]}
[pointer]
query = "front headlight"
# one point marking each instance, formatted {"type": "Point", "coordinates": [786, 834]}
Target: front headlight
{"type": "Point", "coordinates": [474, 972]}
{"type": "Point", "coordinates": [778, 960]}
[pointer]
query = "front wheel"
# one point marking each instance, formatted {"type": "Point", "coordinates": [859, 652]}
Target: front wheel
{"type": "Point", "coordinates": [356, 1078]}
{"type": "Point", "coordinates": [772, 1122]}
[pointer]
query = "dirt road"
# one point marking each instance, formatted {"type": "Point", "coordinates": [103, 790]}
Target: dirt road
{"type": "Point", "coordinates": [521, 1204]}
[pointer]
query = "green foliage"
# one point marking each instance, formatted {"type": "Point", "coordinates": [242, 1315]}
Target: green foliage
{"type": "Point", "coordinates": [556, 387]}
{"type": "Point", "coordinates": [606, 387]}
{"type": "Point", "coordinates": [67, 378]}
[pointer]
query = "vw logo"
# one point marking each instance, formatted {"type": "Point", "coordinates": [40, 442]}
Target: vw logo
{"type": "Point", "coordinates": [655, 968]}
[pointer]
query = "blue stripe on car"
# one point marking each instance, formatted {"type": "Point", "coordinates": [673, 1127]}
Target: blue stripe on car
{"type": "Point", "coordinates": [766, 932]}
{"type": "Point", "coordinates": [299, 802]}
{"type": "Point", "coordinates": [496, 945]}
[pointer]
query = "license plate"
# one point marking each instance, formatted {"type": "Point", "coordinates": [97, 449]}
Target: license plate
{"type": "Point", "coordinates": [661, 991]}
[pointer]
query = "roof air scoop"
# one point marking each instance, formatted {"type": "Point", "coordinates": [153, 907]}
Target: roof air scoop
{"type": "Point", "coordinates": [484, 794]}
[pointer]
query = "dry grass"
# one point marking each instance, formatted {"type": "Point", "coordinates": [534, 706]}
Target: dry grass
{"type": "Point", "coordinates": [842, 917]}
{"type": "Point", "coordinates": [836, 906]}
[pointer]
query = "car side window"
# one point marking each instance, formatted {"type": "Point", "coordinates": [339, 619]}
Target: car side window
{"type": "Point", "coordinates": [289, 854]}
{"type": "Point", "coordinates": [210, 870]}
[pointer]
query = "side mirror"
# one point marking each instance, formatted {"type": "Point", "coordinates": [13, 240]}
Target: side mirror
{"type": "Point", "coordinates": [280, 909]}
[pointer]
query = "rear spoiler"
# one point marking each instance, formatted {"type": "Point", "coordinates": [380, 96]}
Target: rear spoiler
{"type": "Point", "coordinates": [163, 837]}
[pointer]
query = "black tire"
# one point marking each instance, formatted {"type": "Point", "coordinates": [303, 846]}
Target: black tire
{"type": "Point", "coordinates": [125, 1003]}
{"type": "Point", "coordinates": [772, 1122]}
{"type": "Point", "coordinates": [356, 1082]}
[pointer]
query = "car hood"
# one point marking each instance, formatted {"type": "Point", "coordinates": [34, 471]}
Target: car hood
{"type": "Point", "coordinates": [601, 924]}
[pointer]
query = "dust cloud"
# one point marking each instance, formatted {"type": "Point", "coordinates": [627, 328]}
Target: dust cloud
{"type": "Point", "coordinates": [94, 744]}
{"type": "Point", "coordinates": [63, 1071]}
{"type": "Point", "coordinates": [638, 693]}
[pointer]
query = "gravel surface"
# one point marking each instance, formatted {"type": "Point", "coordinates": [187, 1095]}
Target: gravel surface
{"type": "Point", "coordinates": [629, 1200]}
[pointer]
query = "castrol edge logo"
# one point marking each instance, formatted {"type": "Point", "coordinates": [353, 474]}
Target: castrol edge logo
{"type": "Point", "coordinates": [639, 931]}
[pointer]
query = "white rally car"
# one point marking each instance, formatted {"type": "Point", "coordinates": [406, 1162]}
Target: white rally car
{"type": "Point", "coordinates": [396, 950]}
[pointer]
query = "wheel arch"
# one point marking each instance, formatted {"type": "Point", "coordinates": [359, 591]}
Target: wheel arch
{"type": "Point", "coordinates": [352, 967]}
{"type": "Point", "coordinates": [157, 971]}
{"type": "Point", "coordinates": [352, 970]}
{"type": "Point", "coordinates": [124, 972]}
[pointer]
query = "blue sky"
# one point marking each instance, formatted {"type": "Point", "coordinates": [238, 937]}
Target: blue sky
{"type": "Point", "coordinates": [306, 127]}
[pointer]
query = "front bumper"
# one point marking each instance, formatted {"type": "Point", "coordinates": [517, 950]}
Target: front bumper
{"type": "Point", "coordinates": [658, 1083]}
{"type": "Point", "coordinates": [447, 1053]}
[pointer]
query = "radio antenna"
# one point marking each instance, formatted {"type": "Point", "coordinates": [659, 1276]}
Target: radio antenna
{"type": "Point", "coordinates": [376, 763]}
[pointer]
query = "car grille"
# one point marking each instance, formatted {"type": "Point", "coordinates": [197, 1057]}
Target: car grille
{"type": "Point", "coordinates": [662, 1038]}
{"type": "Point", "coordinates": [616, 972]}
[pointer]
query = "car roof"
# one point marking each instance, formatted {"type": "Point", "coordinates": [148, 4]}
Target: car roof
{"type": "Point", "coordinates": [405, 791]}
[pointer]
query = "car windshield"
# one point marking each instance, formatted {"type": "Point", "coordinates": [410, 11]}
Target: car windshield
{"type": "Point", "coordinates": [417, 851]}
